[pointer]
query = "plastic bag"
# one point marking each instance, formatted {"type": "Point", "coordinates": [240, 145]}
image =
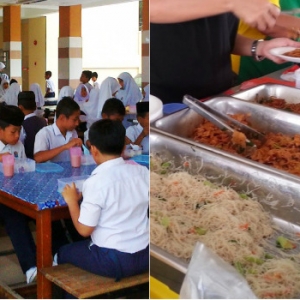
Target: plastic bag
{"type": "Point", "coordinates": [210, 277]}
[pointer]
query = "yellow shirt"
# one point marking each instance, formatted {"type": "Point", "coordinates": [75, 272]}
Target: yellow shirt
{"type": "Point", "coordinates": [249, 32]}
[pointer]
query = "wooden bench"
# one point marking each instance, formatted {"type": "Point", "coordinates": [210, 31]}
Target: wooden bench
{"type": "Point", "coordinates": [7, 293]}
{"type": "Point", "coordinates": [83, 284]}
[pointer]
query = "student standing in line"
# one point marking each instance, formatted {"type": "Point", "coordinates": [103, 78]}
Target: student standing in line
{"type": "Point", "coordinates": [50, 87]}
{"type": "Point", "coordinates": [52, 143]}
{"type": "Point", "coordinates": [32, 123]}
{"type": "Point", "coordinates": [109, 88]}
{"type": "Point", "coordinates": [139, 134]}
{"type": "Point", "coordinates": [39, 99]}
{"type": "Point", "coordinates": [11, 96]}
{"type": "Point", "coordinates": [130, 92]}
{"type": "Point", "coordinates": [96, 84]}
{"type": "Point", "coordinates": [16, 224]}
{"type": "Point", "coordinates": [113, 211]}
{"type": "Point", "coordinates": [85, 77]}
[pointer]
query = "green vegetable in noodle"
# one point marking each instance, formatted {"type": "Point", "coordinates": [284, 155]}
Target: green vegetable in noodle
{"type": "Point", "coordinates": [284, 243]}
{"type": "Point", "coordinates": [165, 221]}
{"type": "Point", "coordinates": [255, 260]}
{"type": "Point", "coordinates": [200, 230]}
{"type": "Point", "coordinates": [243, 196]}
{"type": "Point", "coordinates": [239, 268]}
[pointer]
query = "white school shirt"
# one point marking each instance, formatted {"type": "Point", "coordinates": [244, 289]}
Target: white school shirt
{"type": "Point", "coordinates": [115, 201]}
{"type": "Point", "coordinates": [50, 85]}
{"type": "Point", "coordinates": [132, 132]}
{"type": "Point", "coordinates": [50, 137]}
{"type": "Point", "coordinates": [17, 150]}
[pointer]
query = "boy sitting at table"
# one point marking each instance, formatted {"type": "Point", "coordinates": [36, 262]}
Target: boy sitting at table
{"type": "Point", "coordinates": [16, 224]}
{"type": "Point", "coordinates": [113, 109]}
{"type": "Point", "coordinates": [54, 141]}
{"type": "Point", "coordinates": [139, 134]}
{"type": "Point", "coordinates": [32, 123]}
{"type": "Point", "coordinates": [113, 211]}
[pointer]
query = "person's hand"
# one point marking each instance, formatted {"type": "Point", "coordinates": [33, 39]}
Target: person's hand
{"type": "Point", "coordinates": [70, 194]}
{"type": "Point", "coordinates": [76, 142]}
{"type": "Point", "coordinates": [260, 14]}
{"type": "Point", "coordinates": [263, 48]}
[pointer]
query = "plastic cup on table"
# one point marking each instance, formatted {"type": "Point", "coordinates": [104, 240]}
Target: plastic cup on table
{"type": "Point", "coordinates": [8, 163]}
{"type": "Point", "coordinates": [75, 154]}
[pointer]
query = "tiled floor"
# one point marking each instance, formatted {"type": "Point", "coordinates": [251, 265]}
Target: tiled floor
{"type": "Point", "coordinates": [10, 271]}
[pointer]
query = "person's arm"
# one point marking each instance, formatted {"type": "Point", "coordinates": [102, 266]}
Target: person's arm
{"type": "Point", "coordinates": [256, 13]}
{"type": "Point", "coordinates": [243, 47]}
{"type": "Point", "coordinates": [72, 198]}
{"type": "Point", "coordinates": [286, 26]}
{"type": "Point", "coordinates": [46, 155]}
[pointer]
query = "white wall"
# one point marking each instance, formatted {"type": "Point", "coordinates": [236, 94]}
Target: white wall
{"type": "Point", "coordinates": [110, 37]}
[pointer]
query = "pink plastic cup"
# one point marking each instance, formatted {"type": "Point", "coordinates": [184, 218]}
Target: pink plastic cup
{"type": "Point", "coordinates": [8, 163]}
{"type": "Point", "coordinates": [75, 153]}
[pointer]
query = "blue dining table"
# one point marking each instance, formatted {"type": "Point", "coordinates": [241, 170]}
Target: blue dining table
{"type": "Point", "coordinates": [35, 195]}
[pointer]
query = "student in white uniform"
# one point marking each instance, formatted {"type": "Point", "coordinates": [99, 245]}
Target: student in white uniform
{"type": "Point", "coordinates": [65, 91]}
{"type": "Point", "coordinates": [39, 99]}
{"type": "Point", "coordinates": [16, 224]}
{"type": "Point", "coordinates": [113, 212]}
{"type": "Point", "coordinates": [130, 92]}
{"type": "Point", "coordinates": [109, 88]}
{"type": "Point", "coordinates": [11, 96]}
{"type": "Point", "coordinates": [139, 134]}
{"type": "Point", "coordinates": [54, 141]}
{"type": "Point", "coordinates": [96, 84]}
{"type": "Point", "coordinates": [50, 87]}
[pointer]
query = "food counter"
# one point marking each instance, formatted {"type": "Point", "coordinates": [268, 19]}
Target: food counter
{"type": "Point", "coordinates": [277, 190]}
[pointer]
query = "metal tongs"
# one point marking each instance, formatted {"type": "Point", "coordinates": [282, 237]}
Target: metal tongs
{"type": "Point", "coordinates": [223, 121]}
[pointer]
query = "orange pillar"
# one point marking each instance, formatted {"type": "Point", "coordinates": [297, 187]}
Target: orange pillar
{"type": "Point", "coordinates": [145, 44]}
{"type": "Point", "coordinates": [12, 44]}
{"type": "Point", "coordinates": [69, 46]}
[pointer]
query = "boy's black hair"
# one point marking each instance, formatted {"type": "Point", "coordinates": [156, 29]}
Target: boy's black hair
{"type": "Point", "coordinates": [10, 115]}
{"type": "Point", "coordinates": [13, 81]}
{"type": "Point", "coordinates": [108, 136]}
{"type": "Point", "coordinates": [66, 106]}
{"type": "Point", "coordinates": [113, 106]}
{"type": "Point", "coordinates": [95, 74]}
{"type": "Point", "coordinates": [142, 108]}
{"type": "Point", "coordinates": [48, 73]}
{"type": "Point", "coordinates": [87, 73]}
{"type": "Point", "coordinates": [27, 100]}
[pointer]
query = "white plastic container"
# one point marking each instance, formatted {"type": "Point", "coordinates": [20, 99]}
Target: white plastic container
{"type": "Point", "coordinates": [78, 180]}
{"type": "Point", "coordinates": [297, 78]}
{"type": "Point", "coordinates": [22, 165]}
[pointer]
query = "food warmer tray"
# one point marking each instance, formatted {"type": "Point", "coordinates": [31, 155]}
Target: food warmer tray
{"type": "Point", "coordinates": [278, 193]}
{"type": "Point", "coordinates": [289, 94]}
{"type": "Point", "coordinates": [182, 124]}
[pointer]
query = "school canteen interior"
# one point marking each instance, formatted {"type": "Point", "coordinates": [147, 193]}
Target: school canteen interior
{"type": "Point", "coordinates": [33, 47]}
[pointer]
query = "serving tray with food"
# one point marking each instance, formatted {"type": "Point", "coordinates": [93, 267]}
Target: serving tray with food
{"type": "Point", "coordinates": [246, 215]}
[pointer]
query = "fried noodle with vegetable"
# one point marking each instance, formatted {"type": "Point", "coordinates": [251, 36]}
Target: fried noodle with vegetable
{"type": "Point", "coordinates": [188, 208]}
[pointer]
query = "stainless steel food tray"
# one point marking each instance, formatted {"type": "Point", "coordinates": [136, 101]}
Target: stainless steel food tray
{"type": "Point", "coordinates": [290, 94]}
{"type": "Point", "coordinates": [181, 124]}
{"type": "Point", "coordinates": [278, 193]}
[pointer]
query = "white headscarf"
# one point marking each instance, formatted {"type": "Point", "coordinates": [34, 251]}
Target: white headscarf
{"type": "Point", "coordinates": [147, 92]}
{"type": "Point", "coordinates": [39, 98]}
{"type": "Point", "coordinates": [65, 91]}
{"type": "Point", "coordinates": [2, 90]}
{"type": "Point", "coordinates": [130, 94]}
{"type": "Point", "coordinates": [78, 96]}
{"type": "Point", "coordinates": [11, 96]}
{"type": "Point", "coordinates": [109, 86]}
{"type": "Point", "coordinates": [4, 77]}
{"type": "Point", "coordinates": [91, 107]}
{"type": "Point", "coordinates": [2, 66]}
